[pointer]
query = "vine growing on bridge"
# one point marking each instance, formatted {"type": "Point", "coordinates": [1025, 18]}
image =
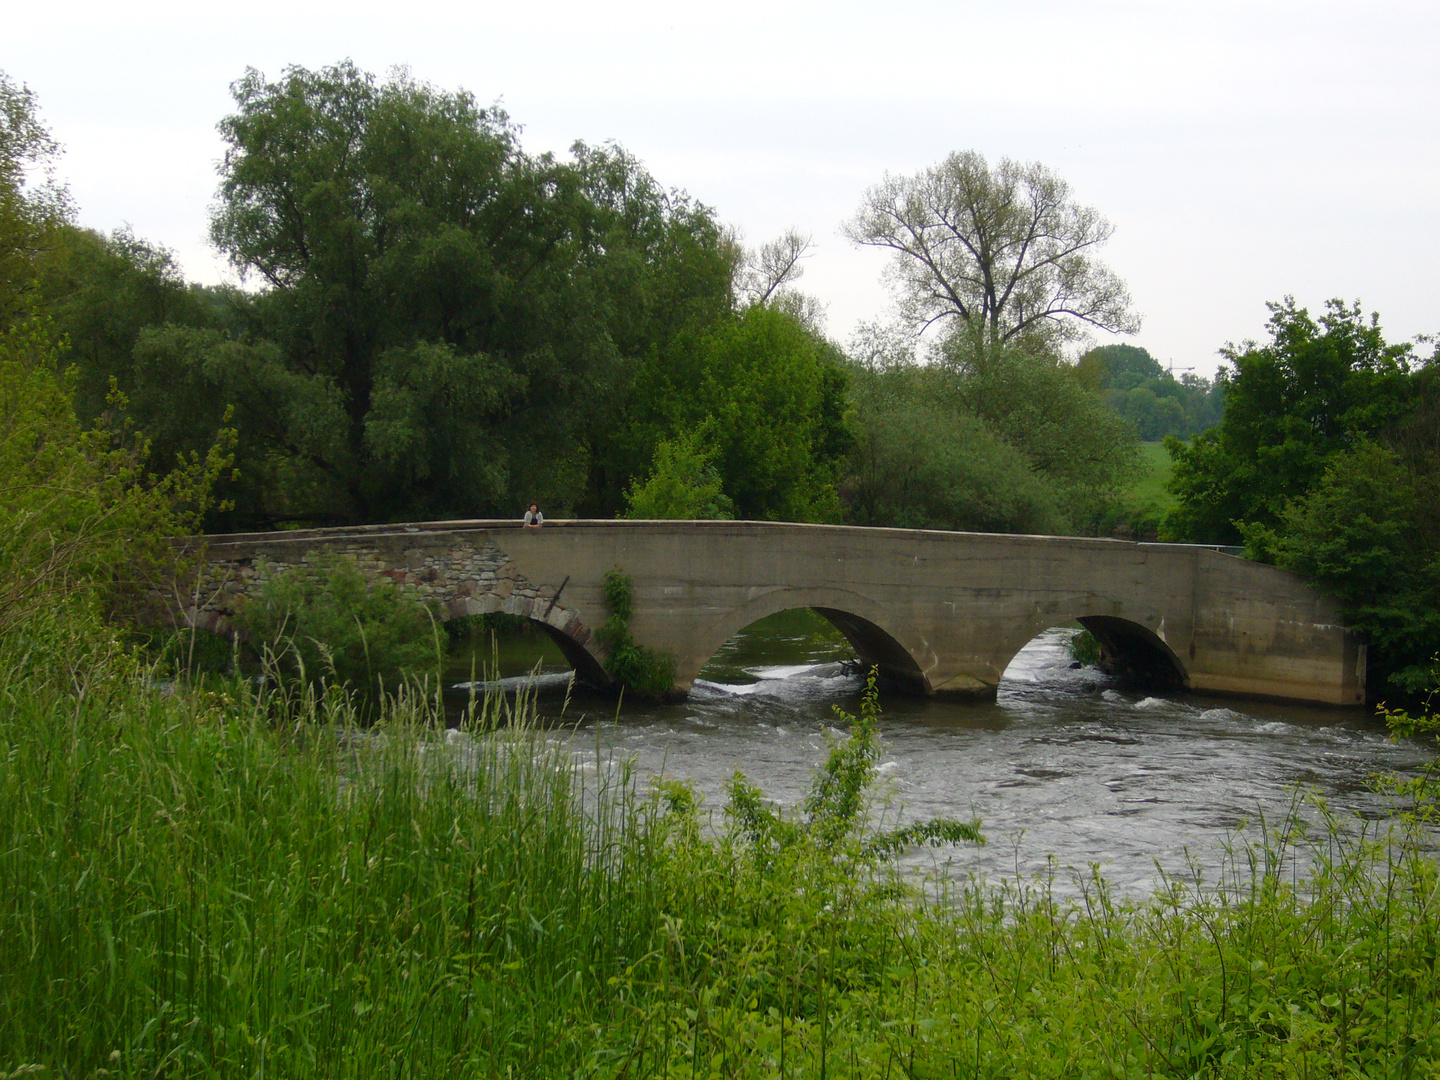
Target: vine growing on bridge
{"type": "Point", "coordinates": [636, 667]}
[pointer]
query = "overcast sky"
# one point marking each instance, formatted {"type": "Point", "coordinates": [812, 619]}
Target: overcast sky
{"type": "Point", "coordinates": [1243, 150]}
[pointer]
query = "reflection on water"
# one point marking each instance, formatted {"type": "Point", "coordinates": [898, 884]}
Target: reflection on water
{"type": "Point", "coordinates": [1062, 763]}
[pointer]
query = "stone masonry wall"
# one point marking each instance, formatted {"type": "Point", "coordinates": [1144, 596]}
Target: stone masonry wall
{"type": "Point", "coordinates": [465, 577]}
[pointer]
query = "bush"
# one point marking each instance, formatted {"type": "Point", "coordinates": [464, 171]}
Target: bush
{"type": "Point", "coordinates": [326, 622]}
{"type": "Point", "coordinates": [1084, 649]}
{"type": "Point", "coordinates": [84, 524]}
{"type": "Point", "coordinates": [187, 651]}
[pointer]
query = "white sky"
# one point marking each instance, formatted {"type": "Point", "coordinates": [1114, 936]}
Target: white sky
{"type": "Point", "coordinates": [1244, 150]}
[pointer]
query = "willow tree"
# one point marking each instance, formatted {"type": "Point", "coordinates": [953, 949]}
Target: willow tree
{"type": "Point", "coordinates": [1005, 251]}
{"type": "Point", "coordinates": [444, 320]}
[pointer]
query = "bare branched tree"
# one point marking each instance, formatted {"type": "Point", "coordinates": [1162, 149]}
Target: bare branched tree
{"type": "Point", "coordinates": [769, 268]}
{"type": "Point", "coordinates": [1005, 251]}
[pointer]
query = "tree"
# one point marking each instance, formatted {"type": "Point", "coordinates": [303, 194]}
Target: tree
{"type": "Point", "coordinates": [29, 213]}
{"type": "Point", "coordinates": [448, 325]}
{"type": "Point", "coordinates": [1003, 249]}
{"type": "Point", "coordinates": [765, 398]}
{"type": "Point", "coordinates": [764, 272]}
{"type": "Point", "coordinates": [1315, 389]}
{"type": "Point", "coordinates": [987, 437]}
{"type": "Point", "coordinates": [329, 623]}
{"type": "Point", "coordinates": [770, 399]}
{"type": "Point", "coordinates": [103, 291]}
{"type": "Point", "coordinates": [1038, 404]}
{"type": "Point", "coordinates": [82, 520]}
{"type": "Point", "coordinates": [1327, 461]}
{"type": "Point", "coordinates": [684, 485]}
{"type": "Point", "coordinates": [1136, 387]}
{"type": "Point", "coordinates": [1368, 534]}
{"type": "Point", "coordinates": [922, 463]}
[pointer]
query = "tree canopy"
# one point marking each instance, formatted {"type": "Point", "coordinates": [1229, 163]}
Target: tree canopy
{"type": "Point", "coordinates": [1002, 248]}
{"type": "Point", "coordinates": [1314, 389]}
{"type": "Point", "coordinates": [29, 211]}
{"type": "Point", "coordinates": [986, 437]}
{"type": "Point", "coordinates": [437, 324]}
{"type": "Point", "coordinates": [442, 302]}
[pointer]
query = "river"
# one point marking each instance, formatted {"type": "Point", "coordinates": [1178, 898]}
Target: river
{"type": "Point", "coordinates": [1062, 764]}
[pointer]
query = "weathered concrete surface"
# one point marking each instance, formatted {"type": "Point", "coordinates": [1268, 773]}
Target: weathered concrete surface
{"type": "Point", "coordinates": [942, 612]}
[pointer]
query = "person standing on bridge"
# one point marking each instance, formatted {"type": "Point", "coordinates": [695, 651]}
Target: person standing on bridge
{"type": "Point", "coordinates": [533, 517]}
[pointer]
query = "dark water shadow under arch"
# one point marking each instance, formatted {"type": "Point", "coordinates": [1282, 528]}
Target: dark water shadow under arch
{"type": "Point", "coordinates": [1134, 656]}
{"type": "Point", "coordinates": [872, 644]}
{"type": "Point", "coordinates": [522, 643]}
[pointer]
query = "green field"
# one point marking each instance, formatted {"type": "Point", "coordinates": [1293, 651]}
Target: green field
{"type": "Point", "coordinates": [1149, 488]}
{"type": "Point", "coordinates": [1147, 501]}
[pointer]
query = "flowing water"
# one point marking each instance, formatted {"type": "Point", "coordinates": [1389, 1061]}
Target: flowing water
{"type": "Point", "coordinates": [1063, 763]}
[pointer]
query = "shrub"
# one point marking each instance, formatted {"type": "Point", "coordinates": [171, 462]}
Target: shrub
{"type": "Point", "coordinates": [1084, 649]}
{"type": "Point", "coordinates": [82, 519]}
{"type": "Point", "coordinates": [187, 651]}
{"type": "Point", "coordinates": [327, 622]}
{"type": "Point", "coordinates": [684, 485]}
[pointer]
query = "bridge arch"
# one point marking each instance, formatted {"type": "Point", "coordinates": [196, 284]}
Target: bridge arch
{"type": "Point", "coordinates": [878, 638]}
{"type": "Point", "coordinates": [560, 625]}
{"type": "Point", "coordinates": [1131, 638]}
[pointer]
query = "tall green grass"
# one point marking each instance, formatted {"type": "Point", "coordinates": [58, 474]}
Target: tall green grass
{"type": "Point", "coordinates": [233, 882]}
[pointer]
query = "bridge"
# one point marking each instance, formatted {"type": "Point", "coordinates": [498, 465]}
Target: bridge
{"type": "Point", "coordinates": [938, 613]}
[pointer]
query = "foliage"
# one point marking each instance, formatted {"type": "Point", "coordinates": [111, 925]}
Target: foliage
{"type": "Point", "coordinates": [1364, 534]}
{"type": "Point", "coordinates": [1039, 405]}
{"type": "Point", "coordinates": [922, 462]}
{"type": "Point", "coordinates": [82, 520]}
{"type": "Point", "coordinates": [1085, 649]}
{"type": "Point", "coordinates": [834, 832]}
{"type": "Point", "coordinates": [685, 485]}
{"type": "Point", "coordinates": [1290, 405]}
{"type": "Point", "coordinates": [102, 292]}
{"type": "Point", "coordinates": [187, 888]}
{"type": "Point", "coordinates": [1423, 789]}
{"type": "Point", "coordinates": [1136, 387]}
{"type": "Point", "coordinates": [491, 622]}
{"type": "Point", "coordinates": [766, 397]}
{"type": "Point", "coordinates": [188, 652]}
{"type": "Point", "coordinates": [326, 622]}
{"type": "Point", "coordinates": [29, 213]}
{"type": "Point", "coordinates": [996, 438]}
{"type": "Point", "coordinates": [444, 322]}
{"type": "Point", "coordinates": [765, 274]}
{"type": "Point", "coordinates": [639, 668]}
{"type": "Point", "coordinates": [1004, 251]}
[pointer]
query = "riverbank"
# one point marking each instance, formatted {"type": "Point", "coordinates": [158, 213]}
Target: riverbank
{"type": "Point", "coordinates": [209, 882]}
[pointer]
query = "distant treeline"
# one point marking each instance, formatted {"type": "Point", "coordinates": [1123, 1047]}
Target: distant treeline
{"type": "Point", "coordinates": [1136, 387]}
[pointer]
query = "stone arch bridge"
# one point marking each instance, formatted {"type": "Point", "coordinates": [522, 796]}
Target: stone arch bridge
{"type": "Point", "coordinates": [938, 612]}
